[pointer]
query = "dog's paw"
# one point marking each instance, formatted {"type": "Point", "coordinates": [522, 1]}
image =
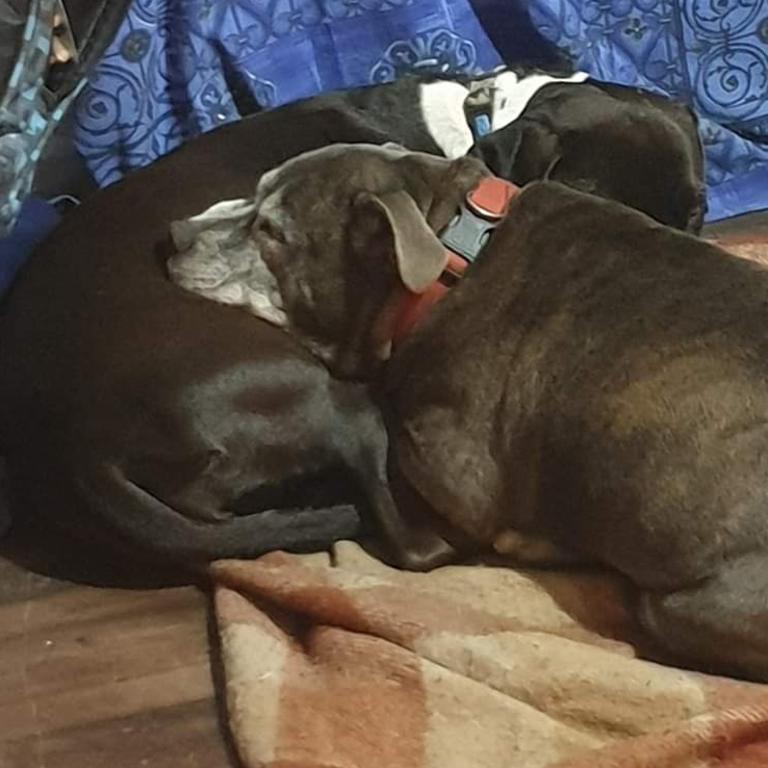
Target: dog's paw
{"type": "Point", "coordinates": [530, 549]}
{"type": "Point", "coordinates": [424, 552]}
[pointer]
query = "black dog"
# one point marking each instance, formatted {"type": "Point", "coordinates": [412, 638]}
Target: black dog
{"type": "Point", "coordinates": [133, 412]}
{"type": "Point", "coordinates": [620, 143]}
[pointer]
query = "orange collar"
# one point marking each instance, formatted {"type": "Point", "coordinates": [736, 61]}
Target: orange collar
{"type": "Point", "coordinates": [485, 206]}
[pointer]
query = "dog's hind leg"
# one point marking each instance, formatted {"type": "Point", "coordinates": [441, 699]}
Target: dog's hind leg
{"type": "Point", "coordinates": [407, 533]}
{"type": "Point", "coordinates": [530, 549]}
{"type": "Point", "coordinates": [720, 625]}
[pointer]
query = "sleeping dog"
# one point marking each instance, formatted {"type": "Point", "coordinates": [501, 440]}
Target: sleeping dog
{"type": "Point", "coordinates": [140, 425]}
{"type": "Point", "coordinates": [138, 420]}
{"type": "Point", "coordinates": [622, 143]}
{"type": "Point", "coordinates": [446, 114]}
{"type": "Point", "coordinates": [595, 384]}
{"type": "Point", "coordinates": [144, 434]}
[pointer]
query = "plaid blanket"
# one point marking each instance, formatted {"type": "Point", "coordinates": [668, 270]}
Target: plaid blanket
{"type": "Point", "coordinates": [339, 661]}
{"type": "Point", "coordinates": [745, 246]}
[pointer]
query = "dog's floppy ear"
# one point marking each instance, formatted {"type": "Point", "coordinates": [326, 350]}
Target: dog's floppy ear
{"type": "Point", "coordinates": [499, 150]}
{"type": "Point", "coordinates": [700, 207]}
{"type": "Point", "coordinates": [380, 225]}
{"type": "Point", "coordinates": [419, 255]}
{"type": "Point", "coordinates": [523, 151]}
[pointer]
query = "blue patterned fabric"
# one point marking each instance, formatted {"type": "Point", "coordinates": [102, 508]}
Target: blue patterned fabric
{"type": "Point", "coordinates": [177, 67]}
{"type": "Point", "coordinates": [711, 53]}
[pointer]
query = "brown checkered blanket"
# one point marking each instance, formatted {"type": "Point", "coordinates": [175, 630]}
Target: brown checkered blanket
{"type": "Point", "coordinates": [341, 662]}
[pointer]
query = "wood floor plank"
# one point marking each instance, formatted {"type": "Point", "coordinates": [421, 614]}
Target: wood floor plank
{"type": "Point", "coordinates": [183, 736]}
{"type": "Point", "coordinates": [106, 678]}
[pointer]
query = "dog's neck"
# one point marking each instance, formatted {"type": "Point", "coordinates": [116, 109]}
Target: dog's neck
{"type": "Point", "coordinates": [442, 106]}
{"type": "Point", "coordinates": [485, 206]}
{"type": "Point", "coordinates": [442, 109]}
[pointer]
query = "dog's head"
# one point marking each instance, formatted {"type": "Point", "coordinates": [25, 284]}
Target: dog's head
{"type": "Point", "coordinates": [344, 233]}
{"type": "Point", "coordinates": [645, 154]}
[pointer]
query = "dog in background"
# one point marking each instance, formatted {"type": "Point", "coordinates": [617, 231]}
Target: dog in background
{"type": "Point", "coordinates": [147, 426]}
{"type": "Point", "coordinates": [620, 143]}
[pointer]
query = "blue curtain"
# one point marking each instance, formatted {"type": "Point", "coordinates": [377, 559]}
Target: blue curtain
{"type": "Point", "coordinates": [180, 67]}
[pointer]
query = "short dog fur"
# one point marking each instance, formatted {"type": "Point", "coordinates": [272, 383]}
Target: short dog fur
{"type": "Point", "coordinates": [136, 418]}
{"type": "Point", "coordinates": [597, 381]}
{"type": "Point", "coordinates": [621, 143]}
{"type": "Point", "coordinates": [103, 360]}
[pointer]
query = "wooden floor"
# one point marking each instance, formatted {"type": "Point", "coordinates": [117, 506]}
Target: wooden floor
{"type": "Point", "coordinates": [105, 678]}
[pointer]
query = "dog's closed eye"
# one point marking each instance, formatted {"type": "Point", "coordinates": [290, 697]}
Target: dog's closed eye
{"type": "Point", "coordinates": [271, 230]}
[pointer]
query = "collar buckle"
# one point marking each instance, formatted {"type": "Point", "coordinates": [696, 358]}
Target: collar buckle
{"type": "Point", "coordinates": [483, 209]}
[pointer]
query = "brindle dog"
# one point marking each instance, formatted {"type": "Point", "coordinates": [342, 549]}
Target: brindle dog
{"type": "Point", "coordinates": [597, 381]}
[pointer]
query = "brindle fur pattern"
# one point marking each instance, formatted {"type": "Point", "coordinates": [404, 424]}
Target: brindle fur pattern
{"type": "Point", "coordinates": [597, 380]}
